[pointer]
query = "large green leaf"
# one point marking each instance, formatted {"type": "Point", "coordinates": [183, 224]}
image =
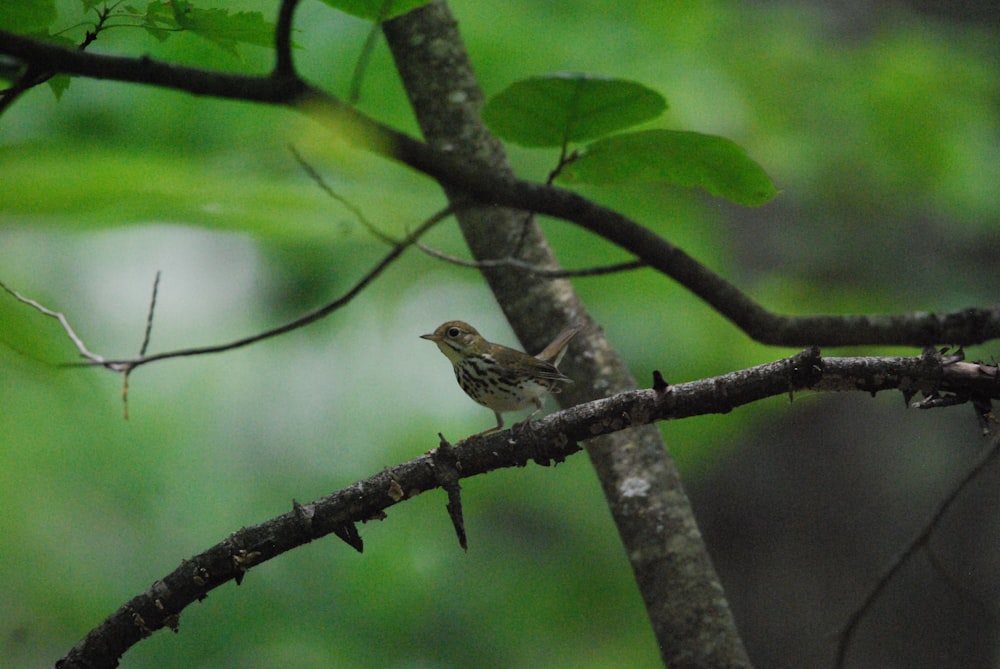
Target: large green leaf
{"type": "Point", "coordinates": [688, 159]}
{"type": "Point", "coordinates": [376, 10]}
{"type": "Point", "coordinates": [556, 109]}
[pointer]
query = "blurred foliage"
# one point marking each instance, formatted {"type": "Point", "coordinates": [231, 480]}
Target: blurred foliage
{"type": "Point", "coordinates": [30, 16]}
{"type": "Point", "coordinates": [883, 140]}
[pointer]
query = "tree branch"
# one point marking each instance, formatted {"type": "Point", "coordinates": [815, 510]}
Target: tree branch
{"type": "Point", "coordinates": [553, 438]}
{"type": "Point", "coordinates": [965, 327]}
{"type": "Point", "coordinates": [284, 66]}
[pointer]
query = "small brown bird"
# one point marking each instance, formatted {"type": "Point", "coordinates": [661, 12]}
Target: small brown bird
{"type": "Point", "coordinates": [501, 378]}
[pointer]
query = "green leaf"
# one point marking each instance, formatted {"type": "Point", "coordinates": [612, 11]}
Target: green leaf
{"type": "Point", "coordinates": [60, 82]}
{"type": "Point", "coordinates": [58, 85]}
{"type": "Point", "coordinates": [158, 19]}
{"type": "Point", "coordinates": [223, 29]}
{"type": "Point", "coordinates": [688, 159]}
{"type": "Point", "coordinates": [27, 16]}
{"type": "Point", "coordinates": [555, 109]}
{"type": "Point", "coordinates": [376, 10]}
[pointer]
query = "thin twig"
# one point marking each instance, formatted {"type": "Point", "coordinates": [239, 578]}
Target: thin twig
{"type": "Point", "coordinates": [564, 160]}
{"type": "Point", "coordinates": [847, 634]}
{"type": "Point", "coordinates": [533, 269]}
{"type": "Point", "coordinates": [149, 317]}
{"type": "Point", "coordinates": [145, 343]}
{"type": "Point", "coordinates": [94, 358]}
{"type": "Point", "coordinates": [314, 174]}
{"type": "Point", "coordinates": [302, 321]}
{"type": "Point", "coordinates": [317, 178]}
{"type": "Point", "coordinates": [955, 584]}
{"type": "Point", "coordinates": [125, 376]}
{"type": "Point", "coordinates": [566, 157]}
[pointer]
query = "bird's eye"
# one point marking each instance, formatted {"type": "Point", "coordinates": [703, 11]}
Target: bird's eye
{"type": "Point", "coordinates": [453, 331]}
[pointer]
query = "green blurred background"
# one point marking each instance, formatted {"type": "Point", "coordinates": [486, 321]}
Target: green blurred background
{"type": "Point", "coordinates": [879, 122]}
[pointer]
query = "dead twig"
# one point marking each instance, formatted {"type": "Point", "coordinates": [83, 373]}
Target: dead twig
{"type": "Point", "coordinates": [919, 541]}
{"type": "Point", "coordinates": [94, 358]}
{"type": "Point", "coordinates": [145, 343]}
{"type": "Point", "coordinates": [127, 365]}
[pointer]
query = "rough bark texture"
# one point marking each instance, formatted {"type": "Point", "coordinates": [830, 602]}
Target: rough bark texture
{"type": "Point", "coordinates": [685, 601]}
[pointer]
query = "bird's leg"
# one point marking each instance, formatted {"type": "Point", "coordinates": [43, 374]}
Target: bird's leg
{"type": "Point", "coordinates": [524, 424]}
{"type": "Point", "coordinates": [498, 426]}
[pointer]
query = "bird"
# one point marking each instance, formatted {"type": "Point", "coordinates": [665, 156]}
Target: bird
{"type": "Point", "coordinates": [498, 377]}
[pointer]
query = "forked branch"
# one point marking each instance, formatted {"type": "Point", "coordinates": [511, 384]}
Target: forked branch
{"type": "Point", "coordinates": [126, 365]}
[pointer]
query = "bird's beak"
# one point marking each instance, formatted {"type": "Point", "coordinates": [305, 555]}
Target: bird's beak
{"type": "Point", "coordinates": [431, 336]}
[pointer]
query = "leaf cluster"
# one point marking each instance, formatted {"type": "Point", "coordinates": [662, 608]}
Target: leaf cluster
{"type": "Point", "coordinates": [567, 108]}
{"type": "Point", "coordinates": [159, 18]}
